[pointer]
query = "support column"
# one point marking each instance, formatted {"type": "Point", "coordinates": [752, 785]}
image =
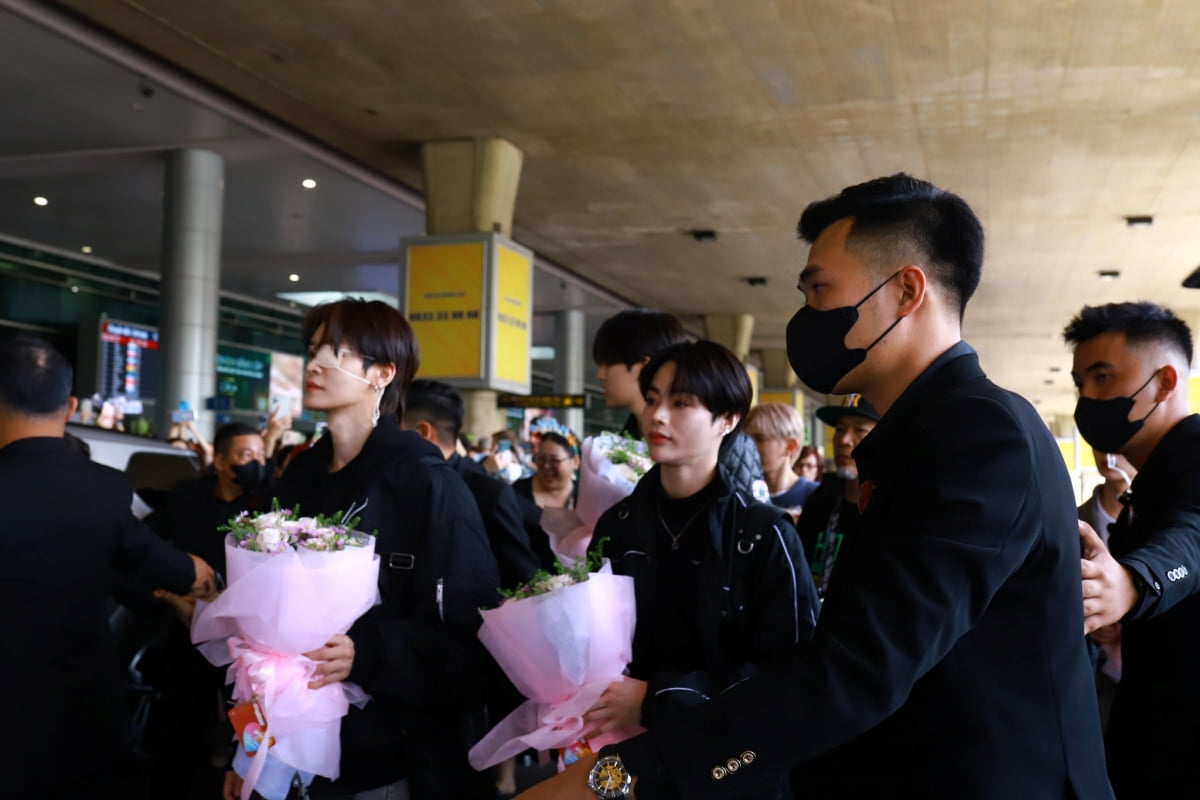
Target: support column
{"type": "Point", "coordinates": [777, 370]}
{"type": "Point", "coordinates": [732, 330]}
{"type": "Point", "coordinates": [569, 363]}
{"type": "Point", "coordinates": [470, 185]}
{"type": "Point", "coordinates": [480, 415]}
{"type": "Point", "coordinates": [194, 190]}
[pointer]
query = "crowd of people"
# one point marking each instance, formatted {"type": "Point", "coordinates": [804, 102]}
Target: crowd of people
{"type": "Point", "coordinates": [931, 617]}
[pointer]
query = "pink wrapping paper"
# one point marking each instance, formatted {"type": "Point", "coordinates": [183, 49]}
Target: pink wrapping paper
{"type": "Point", "coordinates": [561, 650]}
{"type": "Point", "coordinates": [601, 486]}
{"type": "Point", "coordinates": [276, 607]}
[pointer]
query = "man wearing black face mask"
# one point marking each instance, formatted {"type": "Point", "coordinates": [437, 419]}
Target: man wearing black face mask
{"type": "Point", "coordinates": [238, 482]}
{"type": "Point", "coordinates": [948, 660]}
{"type": "Point", "coordinates": [1131, 366]}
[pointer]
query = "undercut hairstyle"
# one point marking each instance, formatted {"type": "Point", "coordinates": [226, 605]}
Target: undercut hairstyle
{"type": "Point", "coordinates": [223, 441]}
{"type": "Point", "coordinates": [1142, 323]}
{"type": "Point", "coordinates": [35, 379]}
{"type": "Point", "coordinates": [634, 335]}
{"type": "Point", "coordinates": [776, 420]}
{"type": "Point", "coordinates": [375, 331]}
{"type": "Point", "coordinates": [902, 220]}
{"type": "Point", "coordinates": [437, 403]}
{"type": "Point", "coordinates": [707, 371]}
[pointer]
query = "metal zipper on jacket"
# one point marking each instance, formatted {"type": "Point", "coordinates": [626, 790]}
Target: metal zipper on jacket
{"type": "Point", "coordinates": [441, 587]}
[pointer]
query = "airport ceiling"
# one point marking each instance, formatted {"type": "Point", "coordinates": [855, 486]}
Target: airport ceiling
{"type": "Point", "coordinates": [640, 122]}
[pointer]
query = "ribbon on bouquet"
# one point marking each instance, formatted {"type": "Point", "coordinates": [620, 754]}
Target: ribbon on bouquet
{"type": "Point", "coordinates": [306, 722]}
{"type": "Point", "coordinates": [541, 726]}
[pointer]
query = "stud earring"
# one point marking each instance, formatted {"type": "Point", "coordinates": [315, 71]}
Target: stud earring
{"type": "Point", "coordinates": [378, 400]}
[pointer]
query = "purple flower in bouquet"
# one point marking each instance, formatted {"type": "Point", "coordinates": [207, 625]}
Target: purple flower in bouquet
{"type": "Point", "coordinates": [281, 529]}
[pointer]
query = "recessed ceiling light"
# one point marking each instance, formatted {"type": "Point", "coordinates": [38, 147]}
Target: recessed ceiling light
{"type": "Point", "coordinates": [293, 277]}
{"type": "Point", "coordinates": [75, 289]}
{"type": "Point", "coordinates": [703, 234]}
{"type": "Point", "coordinates": [1056, 369]}
{"type": "Point", "coordinates": [1143, 221]}
{"type": "Point", "coordinates": [41, 201]}
{"type": "Point", "coordinates": [1048, 381]}
{"type": "Point", "coordinates": [85, 249]}
{"type": "Point", "coordinates": [308, 183]}
{"type": "Point", "coordinates": [1108, 274]}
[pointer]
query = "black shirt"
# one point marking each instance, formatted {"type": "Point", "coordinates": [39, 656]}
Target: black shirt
{"type": "Point", "coordinates": [676, 642]}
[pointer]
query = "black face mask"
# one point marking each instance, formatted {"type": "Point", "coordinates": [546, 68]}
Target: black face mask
{"type": "Point", "coordinates": [1105, 424]}
{"type": "Point", "coordinates": [816, 343]}
{"type": "Point", "coordinates": [250, 475]}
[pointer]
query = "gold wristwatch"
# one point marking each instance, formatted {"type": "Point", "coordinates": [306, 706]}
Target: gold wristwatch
{"type": "Point", "coordinates": [609, 779]}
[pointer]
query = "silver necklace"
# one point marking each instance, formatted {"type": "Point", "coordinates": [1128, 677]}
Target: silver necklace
{"type": "Point", "coordinates": [675, 537]}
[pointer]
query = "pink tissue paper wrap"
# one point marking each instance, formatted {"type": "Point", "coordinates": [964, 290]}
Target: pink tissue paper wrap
{"type": "Point", "coordinates": [561, 650]}
{"type": "Point", "coordinates": [276, 607]}
{"type": "Point", "coordinates": [602, 485]}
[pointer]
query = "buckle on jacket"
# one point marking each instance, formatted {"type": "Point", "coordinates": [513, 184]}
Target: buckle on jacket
{"type": "Point", "coordinates": [401, 560]}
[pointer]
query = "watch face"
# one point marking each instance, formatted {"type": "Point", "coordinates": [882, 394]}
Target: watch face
{"type": "Point", "coordinates": [609, 779]}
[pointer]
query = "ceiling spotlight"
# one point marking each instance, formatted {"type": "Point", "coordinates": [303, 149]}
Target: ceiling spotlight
{"type": "Point", "coordinates": [85, 249]}
{"type": "Point", "coordinates": [41, 201]}
{"type": "Point", "coordinates": [75, 289]}
{"type": "Point", "coordinates": [756, 280]}
{"type": "Point", "coordinates": [703, 234]}
{"type": "Point", "coordinates": [293, 277]}
{"type": "Point", "coordinates": [1143, 221]}
{"type": "Point", "coordinates": [1109, 274]}
{"type": "Point", "coordinates": [1056, 369]}
{"type": "Point", "coordinates": [308, 183]}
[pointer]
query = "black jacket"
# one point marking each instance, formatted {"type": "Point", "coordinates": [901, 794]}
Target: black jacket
{"type": "Point", "coordinates": [539, 540]}
{"type": "Point", "coordinates": [504, 520]}
{"type": "Point", "coordinates": [191, 513]}
{"type": "Point", "coordinates": [1154, 729]}
{"type": "Point", "coordinates": [948, 660]}
{"type": "Point", "coordinates": [67, 532]}
{"type": "Point", "coordinates": [748, 603]}
{"type": "Point", "coordinates": [416, 653]}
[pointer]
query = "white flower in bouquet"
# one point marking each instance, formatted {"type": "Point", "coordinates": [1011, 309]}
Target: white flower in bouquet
{"type": "Point", "coordinates": [544, 582]}
{"type": "Point", "coordinates": [630, 456]}
{"type": "Point", "coordinates": [281, 529]}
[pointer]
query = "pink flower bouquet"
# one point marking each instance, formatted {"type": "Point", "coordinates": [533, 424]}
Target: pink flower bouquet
{"type": "Point", "coordinates": [561, 640]}
{"type": "Point", "coordinates": [610, 466]}
{"type": "Point", "coordinates": [293, 583]}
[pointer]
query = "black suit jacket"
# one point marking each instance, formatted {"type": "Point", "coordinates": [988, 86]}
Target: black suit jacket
{"type": "Point", "coordinates": [67, 531]}
{"type": "Point", "coordinates": [1154, 730]}
{"type": "Point", "coordinates": [948, 660]}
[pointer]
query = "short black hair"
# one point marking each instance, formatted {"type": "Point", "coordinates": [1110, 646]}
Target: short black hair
{"type": "Point", "coordinates": [375, 331]}
{"type": "Point", "coordinates": [227, 433]}
{"type": "Point", "coordinates": [437, 403]}
{"type": "Point", "coordinates": [1142, 323]}
{"type": "Point", "coordinates": [634, 335]}
{"type": "Point", "coordinates": [35, 379]}
{"type": "Point", "coordinates": [709, 372]}
{"type": "Point", "coordinates": [901, 218]}
{"type": "Point", "coordinates": [560, 440]}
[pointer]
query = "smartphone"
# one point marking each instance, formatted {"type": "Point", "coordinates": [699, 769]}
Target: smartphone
{"type": "Point", "coordinates": [179, 415]}
{"type": "Point", "coordinates": [504, 446]}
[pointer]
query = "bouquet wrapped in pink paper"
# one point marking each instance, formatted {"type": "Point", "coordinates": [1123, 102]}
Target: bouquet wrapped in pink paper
{"type": "Point", "coordinates": [561, 640]}
{"type": "Point", "coordinates": [610, 466]}
{"type": "Point", "coordinates": [293, 583]}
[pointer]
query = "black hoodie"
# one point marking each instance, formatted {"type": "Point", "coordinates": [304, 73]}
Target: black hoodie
{"type": "Point", "coordinates": [416, 653]}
